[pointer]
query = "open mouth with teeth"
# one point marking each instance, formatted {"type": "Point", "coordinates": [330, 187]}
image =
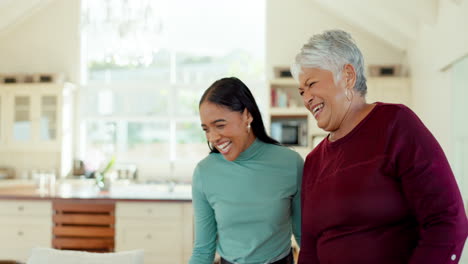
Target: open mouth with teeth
{"type": "Point", "coordinates": [224, 147]}
{"type": "Point", "coordinates": [316, 110]}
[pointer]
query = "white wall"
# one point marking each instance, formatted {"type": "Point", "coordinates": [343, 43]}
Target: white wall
{"type": "Point", "coordinates": [291, 23]}
{"type": "Point", "coordinates": [435, 48]}
{"type": "Point", "coordinates": [47, 41]}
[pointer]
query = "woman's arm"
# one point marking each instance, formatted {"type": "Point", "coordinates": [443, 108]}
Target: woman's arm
{"type": "Point", "coordinates": [296, 202]}
{"type": "Point", "coordinates": [205, 224]}
{"type": "Point", "coordinates": [308, 252]}
{"type": "Point", "coordinates": [430, 188]}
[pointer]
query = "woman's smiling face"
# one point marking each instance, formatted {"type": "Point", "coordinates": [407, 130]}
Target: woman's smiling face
{"type": "Point", "coordinates": [324, 98]}
{"type": "Point", "coordinates": [226, 130]}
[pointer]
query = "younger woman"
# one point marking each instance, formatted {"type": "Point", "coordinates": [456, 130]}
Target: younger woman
{"type": "Point", "coordinates": [246, 192]}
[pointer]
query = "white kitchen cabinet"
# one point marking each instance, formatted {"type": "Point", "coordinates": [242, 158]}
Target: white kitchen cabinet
{"type": "Point", "coordinates": [24, 225]}
{"type": "Point", "coordinates": [36, 126]}
{"type": "Point", "coordinates": [163, 229]}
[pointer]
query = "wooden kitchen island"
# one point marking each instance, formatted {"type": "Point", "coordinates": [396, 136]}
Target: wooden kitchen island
{"type": "Point", "coordinates": [77, 215]}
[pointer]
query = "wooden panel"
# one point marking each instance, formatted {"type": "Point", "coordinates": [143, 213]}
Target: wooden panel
{"type": "Point", "coordinates": [81, 231]}
{"type": "Point", "coordinates": [84, 219]}
{"type": "Point", "coordinates": [84, 226]}
{"type": "Point", "coordinates": [84, 207]}
{"type": "Point", "coordinates": [83, 243]}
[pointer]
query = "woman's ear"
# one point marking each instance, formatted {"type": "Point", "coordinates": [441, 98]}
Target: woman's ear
{"type": "Point", "coordinates": [247, 116]}
{"type": "Point", "coordinates": [349, 74]}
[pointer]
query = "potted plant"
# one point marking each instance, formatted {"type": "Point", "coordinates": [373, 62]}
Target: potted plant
{"type": "Point", "coordinates": [102, 180]}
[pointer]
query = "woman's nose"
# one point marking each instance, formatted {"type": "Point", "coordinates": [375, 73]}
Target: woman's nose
{"type": "Point", "coordinates": [307, 97]}
{"type": "Point", "coordinates": [213, 137]}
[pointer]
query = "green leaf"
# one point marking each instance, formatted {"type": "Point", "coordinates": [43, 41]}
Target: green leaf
{"type": "Point", "coordinates": [108, 166]}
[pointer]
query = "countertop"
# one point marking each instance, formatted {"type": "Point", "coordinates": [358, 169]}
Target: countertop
{"type": "Point", "coordinates": [87, 190]}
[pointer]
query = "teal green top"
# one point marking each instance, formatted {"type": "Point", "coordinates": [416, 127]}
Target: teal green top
{"type": "Point", "coordinates": [247, 209]}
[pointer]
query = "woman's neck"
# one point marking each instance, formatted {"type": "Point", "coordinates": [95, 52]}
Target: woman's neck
{"type": "Point", "coordinates": [358, 110]}
{"type": "Point", "coordinates": [250, 140]}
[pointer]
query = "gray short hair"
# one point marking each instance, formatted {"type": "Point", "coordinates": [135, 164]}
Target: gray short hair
{"type": "Point", "coordinates": [331, 50]}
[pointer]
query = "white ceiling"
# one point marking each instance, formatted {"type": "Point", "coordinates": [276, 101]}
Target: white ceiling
{"type": "Point", "coordinates": [396, 22]}
{"type": "Point", "coordinates": [13, 12]}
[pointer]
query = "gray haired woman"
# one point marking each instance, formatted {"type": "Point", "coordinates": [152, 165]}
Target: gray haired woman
{"type": "Point", "coordinates": [378, 188]}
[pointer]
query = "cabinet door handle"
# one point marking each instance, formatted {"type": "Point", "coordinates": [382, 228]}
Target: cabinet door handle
{"type": "Point", "coordinates": [20, 233]}
{"type": "Point", "coordinates": [149, 236]}
{"type": "Point", "coordinates": [150, 211]}
{"type": "Point", "coordinates": [20, 208]}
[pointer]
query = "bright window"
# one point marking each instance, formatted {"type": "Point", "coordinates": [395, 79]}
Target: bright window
{"type": "Point", "coordinates": [148, 63]}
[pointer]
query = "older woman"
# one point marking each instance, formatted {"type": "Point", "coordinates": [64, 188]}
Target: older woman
{"type": "Point", "coordinates": [379, 188]}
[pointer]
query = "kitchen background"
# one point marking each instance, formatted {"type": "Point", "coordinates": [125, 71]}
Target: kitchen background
{"type": "Point", "coordinates": [137, 69]}
{"type": "Point", "coordinates": [109, 89]}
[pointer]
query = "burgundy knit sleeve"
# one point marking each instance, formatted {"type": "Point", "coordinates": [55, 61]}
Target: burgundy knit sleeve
{"type": "Point", "coordinates": [431, 190]}
{"type": "Point", "coordinates": [308, 251]}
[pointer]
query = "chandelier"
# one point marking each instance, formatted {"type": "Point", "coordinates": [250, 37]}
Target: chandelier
{"type": "Point", "coordinates": [123, 32]}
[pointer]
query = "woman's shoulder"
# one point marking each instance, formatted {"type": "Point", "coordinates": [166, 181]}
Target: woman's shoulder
{"type": "Point", "coordinates": [392, 108]}
{"type": "Point", "coordinates": [392, 114]}
{"type": "Point", "coordinates": [209, 160]}
{"type": "Point", "coordinates": [398, 112]}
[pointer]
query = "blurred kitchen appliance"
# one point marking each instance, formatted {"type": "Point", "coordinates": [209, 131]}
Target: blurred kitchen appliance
{"type": "Point", "coordinates": [6, 173]}
{"type": "Point", "coordinates": [126, 171]}
{"type": "Point", "coordinates": [290, 131]}
{"type": "Point", "coordinates": [78, 167]}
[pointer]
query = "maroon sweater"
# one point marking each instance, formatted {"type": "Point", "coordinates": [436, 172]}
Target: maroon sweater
{"type": "Point", "coordinates": [383, 194]}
